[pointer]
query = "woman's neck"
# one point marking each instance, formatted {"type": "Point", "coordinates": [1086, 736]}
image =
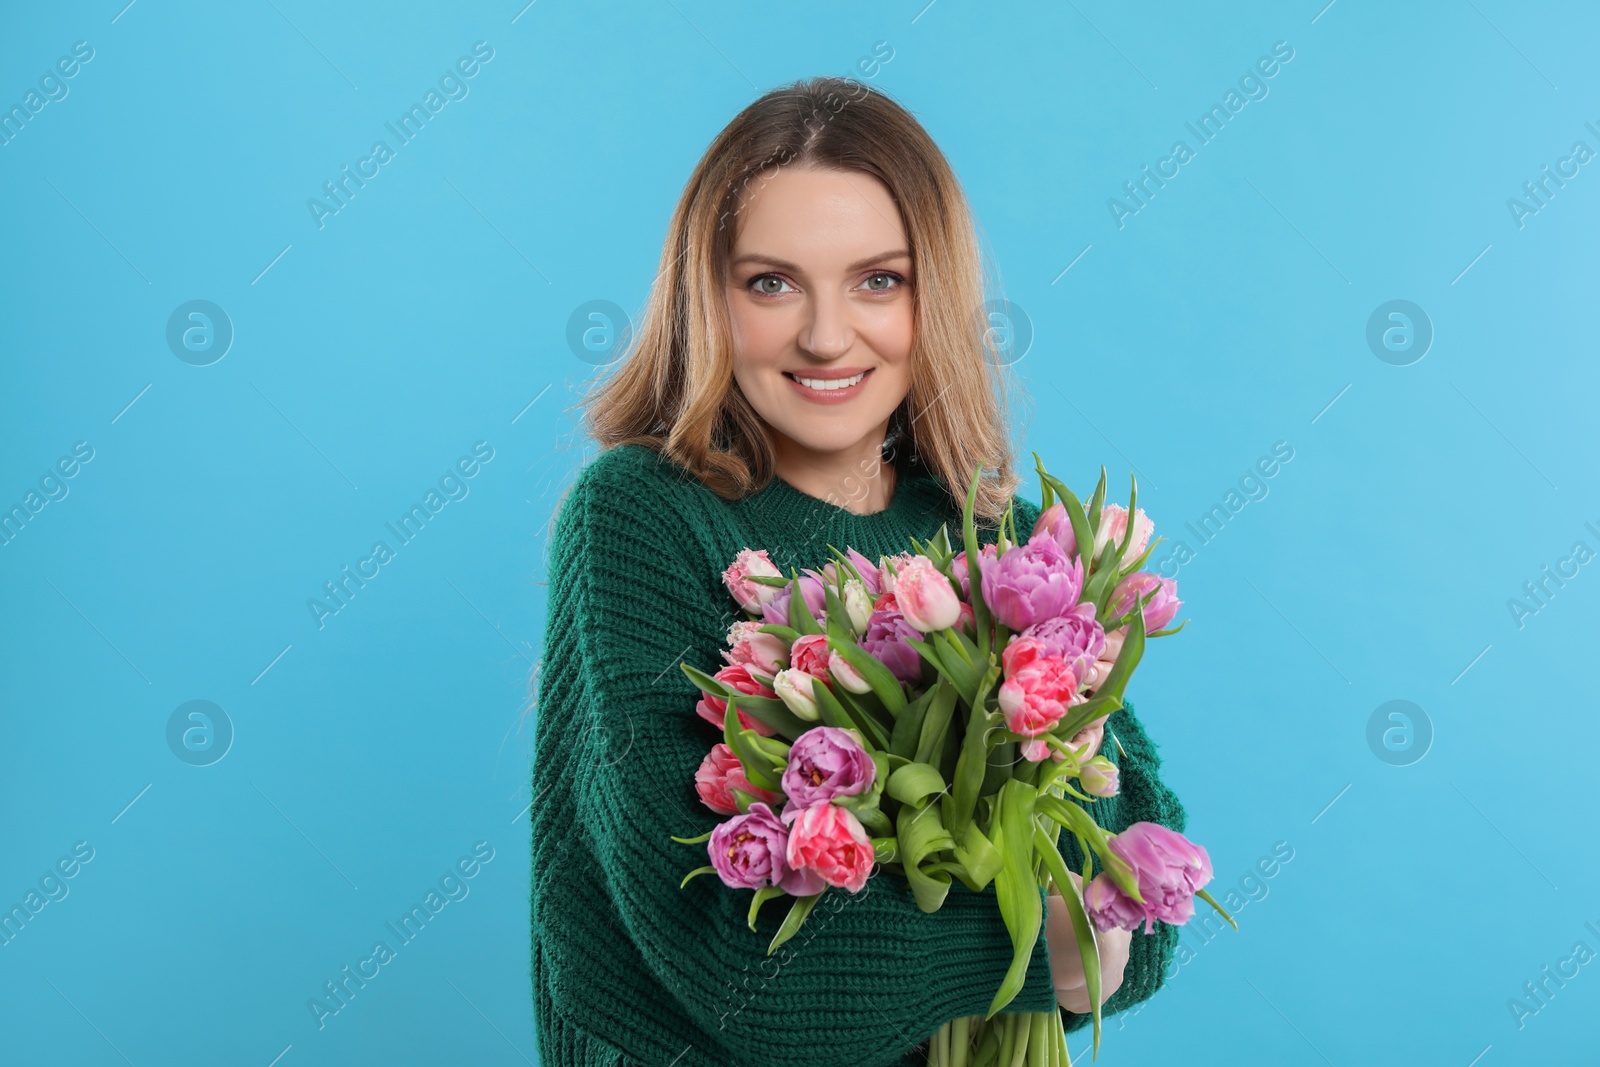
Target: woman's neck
{"type": "Point", "coordinates": [862, 482]}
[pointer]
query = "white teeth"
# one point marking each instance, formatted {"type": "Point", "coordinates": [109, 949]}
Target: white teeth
{"type": "Point", "coordinates": [830, 384]}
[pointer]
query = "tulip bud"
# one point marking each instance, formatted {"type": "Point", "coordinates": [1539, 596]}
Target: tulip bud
{"type": "Point", "coordinates": [1099, 777]}
{"type": "Point", "coordinates": [847, 675]}
{"type": "Point", "coordinates": [925, 597]}
{"type": "Point", "coordinates": [857, 604]}
{"type": "Point", "coordinates": [794, 689]}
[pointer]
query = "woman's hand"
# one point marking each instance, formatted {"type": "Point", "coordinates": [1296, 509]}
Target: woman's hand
{"type": "Point", "coordinates": [1066, 966]}
{"type": "Point", "coordinates": [1108, 659]}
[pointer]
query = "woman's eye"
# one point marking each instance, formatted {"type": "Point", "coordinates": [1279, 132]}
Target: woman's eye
{"type": "Point", "coordinates": [885, 277]}
{"type": "Point", "coordinates": [764, 284]}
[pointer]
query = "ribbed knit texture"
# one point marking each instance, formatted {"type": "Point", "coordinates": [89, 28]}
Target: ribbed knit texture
{"type": "Point", "coordinates": [628, 969]}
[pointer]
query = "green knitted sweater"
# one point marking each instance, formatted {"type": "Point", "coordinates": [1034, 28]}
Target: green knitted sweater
{"type": "Point", "coordinates": [628, 969]}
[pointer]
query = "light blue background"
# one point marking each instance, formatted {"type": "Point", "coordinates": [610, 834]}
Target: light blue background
{"type": "Point", "coordinates": [431, 313]}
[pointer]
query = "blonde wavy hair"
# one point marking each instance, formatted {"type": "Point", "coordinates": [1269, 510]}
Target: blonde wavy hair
{"type": "Point", "coordinates": [675, 391]}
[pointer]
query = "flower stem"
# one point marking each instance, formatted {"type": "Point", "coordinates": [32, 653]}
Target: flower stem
{"type": "Point", "coordinates": [1038, 1051]}
{"type": "Point", "coordinates": [960, 1040]}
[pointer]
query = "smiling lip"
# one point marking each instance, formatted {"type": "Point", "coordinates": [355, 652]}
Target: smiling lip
{"type": "Point", "coordinates": [835, 395]}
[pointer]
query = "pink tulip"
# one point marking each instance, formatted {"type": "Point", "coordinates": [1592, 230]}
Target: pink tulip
{"type": "Point", "coordinates": [735, 676]}
{"type": "Point", "coordinates": [720, 773]}
{"type": "Point", "coordinates": [1114, 526]}
{"type": "Point", "coordinates": [925, 596]}
{"type": "Point", "coordinates": [809, 654]}
{"type": "Point", "coordinates": [1054, 522]}
{"type": "Point", "coordinates": [1170, 869]}
{"type": "Point", "coordinates": [1099, 777]}
{"type": "Point", "coordinates": [750, 851]}
{"type": "Point", "coordinates": [1074, 635]}
{"type": "Point", "coordinates": [767, 653]}
{"type": "Point", "coordinates": [829, 841]}
{"type": "Point", "coordinates": [751, 595]}
{"type": "Point", "coordinates": [958, 567]}
{"type": "Point", "coordinates": [1109, 907]}
{"type": "Point", "coordinates": [847, 675]}
{"type": "Point", "coordinates": [1161, 608]}
{"type": "Point", "coordinates": [746, 720]}
{"type": "Point", "coordinates": [1031, 583]}
{"type": "Point", "coordinates": [1036, 697]}
{"type": "Point", "coordinates": [1038, 750]}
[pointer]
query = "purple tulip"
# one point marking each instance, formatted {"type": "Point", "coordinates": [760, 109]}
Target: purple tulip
{"type": "Point", "coordinates": [1109, 907]}
{"type": "Point", "coordinates": [885, 641]}
{"type": "Point", "coordinates": [1031, 582]}
{"type": "Point", "coordinates": [1075, 636]}
{"type": "Point", "coordinates": [750, 852]}
{"type": "Point", "coordinates": [868, 570]}
{"type": "Point", "coordinates": [958, 567]}
{"type": "Point", "coordinates": [1161, 608]}
{"type": "Point", "coordinates": [825, 762]}
{"type": "Point", "coordinates": [776, 610]}
{"type": "Point", "coordinates": [1169, 868]}
{"type": "Point", "coordinates": [1054, 521]}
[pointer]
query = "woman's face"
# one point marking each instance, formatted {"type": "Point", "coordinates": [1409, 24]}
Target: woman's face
{"type": "Point", "coordinates": [820, 288]}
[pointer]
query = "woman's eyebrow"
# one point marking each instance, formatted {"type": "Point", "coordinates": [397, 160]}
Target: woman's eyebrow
{"type": "Point", "coordinates": [758, 257]}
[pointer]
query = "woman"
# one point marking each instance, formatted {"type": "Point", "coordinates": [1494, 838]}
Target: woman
{"type": "Point", "coordinates": [812, 369]}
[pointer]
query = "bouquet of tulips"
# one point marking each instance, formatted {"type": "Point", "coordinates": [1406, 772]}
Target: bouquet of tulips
{"type": "Point", "coordinates": [913, 718]}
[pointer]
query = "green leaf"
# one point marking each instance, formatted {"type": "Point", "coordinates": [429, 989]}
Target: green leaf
{"type": "Point", "coordinates": [758, 766]}
{"type": "Point", "coordinates": [1047, 496]}
{"type": "Point", "coordinates": [969, 538]}
{"type": "Point", "coordinates": [762, 895]}
{"type": "Point", "coordinates": [978, 855]}
{"type": "Point", "coordinates": [935, 723]}
{"type": "Point", "coordinates": [1128, 568]}
{"type": "Point", "coordinates": [1100, 584]}
{"type": "Point", "coordinates": [1170, 630]}
{"type": "Point", "coordinates": [972, 767]}
{"type": "Point", "coordinates": [1207, 897]}
{"type": "Point", "coordinates": [1082, 928]}
{"type": "Point", "coordinates": [884, 684]}
{"type": "Point", "coordinates": [1097, 501]}
{"type": "Point", "coordinates": [697, 870]}
{"type": "Point", "coordinates": [800, 616]}
{"type": "Point", "coordinates": [886, 849]}
{"type": "Point", "coordinates": [914, 783]}
{"type": "Point", "coordinates": [921, 834]}
{"type": "Point", "coordinates": [1132, 648]}
{"type": "Point", "coordinates": [791, 924]}
{"type": "Point", "coordinates": [908, 726]}
{"type": "Point", "coordinates": [1081, 530]}
{"type": "Point", "coordinates": [836, 714]}
{"type": "Point", "coordinates": [700, 840]}
{"type": "Point", "coordinates": [788, 633]}
{"type": "Point", "coordinates": [772, 711]}
{"type": "Point", "coordinates": [959, 672]}
{"type": "Point", "coordinates": [1016, 888]}
{"type": "Point", "coordinates": [704, 681]}
{"type": "Point", "coordinates": [1074, 818]}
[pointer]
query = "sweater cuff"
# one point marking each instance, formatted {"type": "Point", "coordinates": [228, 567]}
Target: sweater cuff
{"type": "Point", "coordinates": [973, 951]}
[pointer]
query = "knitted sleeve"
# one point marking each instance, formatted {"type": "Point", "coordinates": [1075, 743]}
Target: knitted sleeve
{"type": "Point", "coordinates": [869, 974]}
{"type": "Point", "coordinates": [1142, 797]}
